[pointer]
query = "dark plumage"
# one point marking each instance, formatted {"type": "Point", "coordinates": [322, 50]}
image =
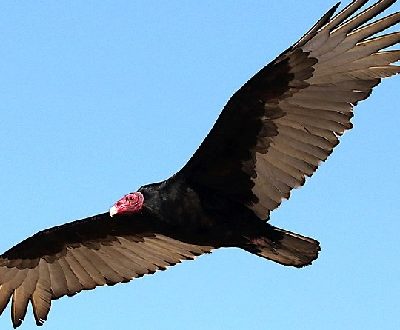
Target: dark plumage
{"type": "Point", "coordinates": [272, 134]}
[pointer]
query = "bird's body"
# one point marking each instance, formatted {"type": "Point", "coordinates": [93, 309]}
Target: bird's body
{"type": "Point", "coordinates": [271, 135]}
{"type": "Point", "coordinates": [175, 200]}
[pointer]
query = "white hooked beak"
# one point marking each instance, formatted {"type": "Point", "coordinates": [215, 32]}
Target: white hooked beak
{"type": "Point", "coordinates": [113, 211]}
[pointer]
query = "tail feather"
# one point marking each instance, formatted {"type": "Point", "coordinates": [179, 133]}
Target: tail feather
{"type": "Point", "coordinates": [283, 247]}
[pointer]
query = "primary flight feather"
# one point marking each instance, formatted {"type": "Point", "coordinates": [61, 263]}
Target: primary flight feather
{"type": "Point", "coordinates": [272, 134]}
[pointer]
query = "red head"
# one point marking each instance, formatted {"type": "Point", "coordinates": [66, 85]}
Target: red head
{"type": "Point", "coordinates": [130, 203]}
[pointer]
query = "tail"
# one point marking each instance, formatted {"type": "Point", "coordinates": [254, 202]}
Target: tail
{"type": "Point", "coordinates": [281, 246]}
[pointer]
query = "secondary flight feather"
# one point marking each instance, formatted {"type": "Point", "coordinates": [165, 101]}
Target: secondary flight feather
{"type": "Point", "coordinates": [271, 135]}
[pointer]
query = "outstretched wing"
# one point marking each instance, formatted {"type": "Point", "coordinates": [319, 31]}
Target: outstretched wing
{"type": "Point", "coordinates": [84, 254]}
{"type": "Point", "coordinates": [275, 131]}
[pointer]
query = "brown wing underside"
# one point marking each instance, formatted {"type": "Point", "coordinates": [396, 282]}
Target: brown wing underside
{"type": "Point", "coordinates": [85, 254]}
{"type": "Point", "coordinates": [275, 131]}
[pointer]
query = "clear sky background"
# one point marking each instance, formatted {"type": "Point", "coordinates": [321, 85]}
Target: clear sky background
{"type": "Point", "coordinates": [99, 98]}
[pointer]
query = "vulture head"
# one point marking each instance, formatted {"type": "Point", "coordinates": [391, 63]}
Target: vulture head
{"type": "Point", "coordinates": [129, 204]}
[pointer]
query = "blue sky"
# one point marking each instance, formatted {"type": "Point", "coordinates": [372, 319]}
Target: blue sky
{"type": "Point", "coordinates": [98, 98]}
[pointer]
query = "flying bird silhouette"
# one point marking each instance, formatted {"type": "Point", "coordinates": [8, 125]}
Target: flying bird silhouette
{"type": "Point", "coordinates": [272, 134]}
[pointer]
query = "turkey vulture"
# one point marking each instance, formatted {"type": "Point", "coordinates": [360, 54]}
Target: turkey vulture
{"type": "Point", "coordinates": [270, 136]}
